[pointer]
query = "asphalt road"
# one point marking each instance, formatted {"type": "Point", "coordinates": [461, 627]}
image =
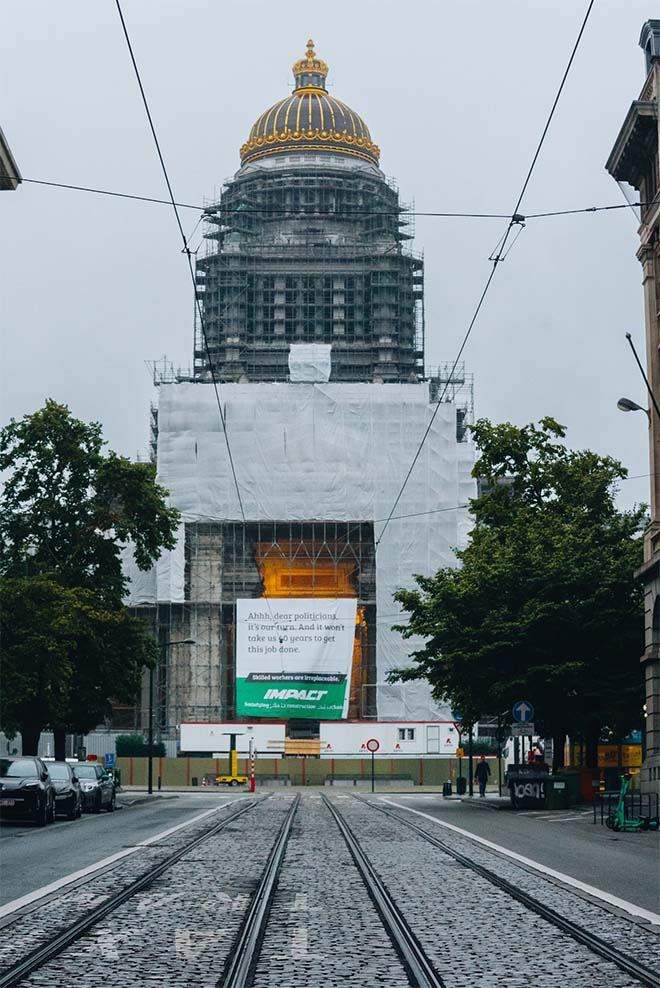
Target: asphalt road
{"type": "Point", "coordinates": [31, 857]}
{"type": "Point", "coordinates": [625, 865]}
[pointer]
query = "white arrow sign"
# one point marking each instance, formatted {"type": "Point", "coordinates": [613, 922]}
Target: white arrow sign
{"type": "Point", "coordinates": [523, 711]}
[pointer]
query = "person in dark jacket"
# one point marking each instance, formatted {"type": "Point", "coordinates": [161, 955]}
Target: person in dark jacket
{"type": "Point", "coordinates": [482, 775]}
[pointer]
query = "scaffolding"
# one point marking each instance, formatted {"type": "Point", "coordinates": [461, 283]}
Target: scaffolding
{"type": "Point", "coordinates": [305, 254]}
{"type": "Point", "coordinates": [225, 562]}
{"type": "Point", "coordinates": [451, 383]}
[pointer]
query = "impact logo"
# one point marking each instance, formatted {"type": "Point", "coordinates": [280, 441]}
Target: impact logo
{"type": "Point", "coordinates": [309, 695]}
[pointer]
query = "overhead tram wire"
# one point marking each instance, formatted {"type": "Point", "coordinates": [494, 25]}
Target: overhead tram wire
{"type": "Point", "coordinates": [186, 251]}
{"type": "Point", "coordinates": [515, 220]}
{"type": "Point", "coordinates": [286, 214]}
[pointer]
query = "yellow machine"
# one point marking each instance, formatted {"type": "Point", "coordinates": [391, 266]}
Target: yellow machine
{"type": "Point", "coordinates": [232, 778]}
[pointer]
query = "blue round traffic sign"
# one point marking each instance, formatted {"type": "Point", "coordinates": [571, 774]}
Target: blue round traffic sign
{"type": "Point", "coordinates": [523, 712]}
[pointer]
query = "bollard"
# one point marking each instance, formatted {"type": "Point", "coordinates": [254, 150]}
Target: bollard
{"type": "Point", "coordinates": [159, 783]}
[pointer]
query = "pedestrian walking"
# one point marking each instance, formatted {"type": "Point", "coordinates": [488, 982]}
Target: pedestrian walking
{"type": "Point", "coordinates": [482, 774]}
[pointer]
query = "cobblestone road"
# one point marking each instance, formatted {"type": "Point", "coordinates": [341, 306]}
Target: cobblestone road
{"type": "Point", "coordinates": [323, 928]}
{"type": "Point", "coordinates": [476, 934]}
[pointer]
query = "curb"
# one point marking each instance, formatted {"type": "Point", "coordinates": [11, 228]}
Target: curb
{"type": "Point", "coordinates": [126, 803]}
{"type": "Point", "coordinates": [487, 804]}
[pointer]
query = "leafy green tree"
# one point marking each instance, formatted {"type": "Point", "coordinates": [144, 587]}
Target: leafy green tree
{"type": "Point", "coordinates": [544, 605]}
{"type": "Point", "coordinates": [64, 653]}
{"type": "Point", "coordinates": [66, 512]}
{"type": "Point", "coordinates": [135, 745]}
{"type": "Point", "coordinates": [67, 508]}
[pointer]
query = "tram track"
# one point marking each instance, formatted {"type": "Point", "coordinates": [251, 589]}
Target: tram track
{"type": "Point", "coordinates": [317, 891]}
{"type": "Point", "coordinates": [245, 954]}
{"type": "Point", "coordinates": [641, 972]}
{"type": "Point", "coordinates": [419, 968]}
{"type": "Point", "coordinates": [54, 946]}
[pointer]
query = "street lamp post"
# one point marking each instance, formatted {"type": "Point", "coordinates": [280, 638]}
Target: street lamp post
{"type": "Point", "coordinates": [150, 733]}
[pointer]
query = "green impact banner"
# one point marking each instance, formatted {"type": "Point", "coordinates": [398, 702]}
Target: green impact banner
{"type": "Point", "coordinates": [294, 657]}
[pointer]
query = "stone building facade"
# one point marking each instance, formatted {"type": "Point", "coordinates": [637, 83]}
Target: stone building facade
{"type": "Point", "coordinates": [634, 161]}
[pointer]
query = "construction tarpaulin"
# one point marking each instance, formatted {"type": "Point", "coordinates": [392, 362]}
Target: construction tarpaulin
{"type": "Point", "coordinates": [325, 451]}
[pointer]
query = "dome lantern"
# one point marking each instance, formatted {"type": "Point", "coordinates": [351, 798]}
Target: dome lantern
{"type": "Point", "coordinates": [310, 71]}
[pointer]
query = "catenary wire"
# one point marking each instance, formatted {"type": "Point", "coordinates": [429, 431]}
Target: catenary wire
{"type": "Point", "coordinates": [186, 251]}
{"type": "Point", "coordinates": [515, 220]}
{"type": "Point", "coordinates": [284, 214]}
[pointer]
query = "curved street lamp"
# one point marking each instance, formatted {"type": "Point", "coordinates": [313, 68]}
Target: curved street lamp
{"type": "Point", "coordinates": [628, 405]}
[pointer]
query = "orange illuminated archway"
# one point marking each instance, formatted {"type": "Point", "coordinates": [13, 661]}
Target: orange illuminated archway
{"type": "Point", "coordinates": [291, 570]}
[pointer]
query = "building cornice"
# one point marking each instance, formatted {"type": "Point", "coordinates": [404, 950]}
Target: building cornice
{"type": "Point", "coordinates": [649, 569]}
{"type": "Point", "coordinates": [10, 177]}
{"type": "Point", "coordinates": [629, 149]}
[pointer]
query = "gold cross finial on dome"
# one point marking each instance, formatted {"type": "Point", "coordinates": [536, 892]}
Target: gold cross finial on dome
{"type": "Point", "coordinates": [310, 50]}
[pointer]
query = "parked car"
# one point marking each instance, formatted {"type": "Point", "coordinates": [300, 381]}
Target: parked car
{"type": "Point", "coordinates": [26, 790]}
{"type": "Point", "coordinates": [97, 785]}
{"type": "Point", "coordinates": [68, 795]}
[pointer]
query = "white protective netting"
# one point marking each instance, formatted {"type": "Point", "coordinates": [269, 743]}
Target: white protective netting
{"type": "Point", "coordinates": [314, 452]}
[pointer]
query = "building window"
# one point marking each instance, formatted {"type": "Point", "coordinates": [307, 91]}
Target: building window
{"type": "Point", "coordinates": [406, 733]}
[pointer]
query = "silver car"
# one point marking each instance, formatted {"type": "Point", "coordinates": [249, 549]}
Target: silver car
{"type": "Point", "coordinates": [97, 787]}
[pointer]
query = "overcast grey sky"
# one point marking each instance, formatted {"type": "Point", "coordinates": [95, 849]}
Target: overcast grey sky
{"type": "Point", "coordinates": [455, 93]}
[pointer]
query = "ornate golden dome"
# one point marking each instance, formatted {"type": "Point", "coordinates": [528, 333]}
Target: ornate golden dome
{"type": "Point", "coordinates": [310, 120]}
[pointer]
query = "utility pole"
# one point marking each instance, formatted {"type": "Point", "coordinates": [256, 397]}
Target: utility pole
{"type": "Point", "coordinates": [150, 735]}
{"type": "Point", "coordinates": [470, 761]}
{"type": "Point", "coordinates": [499, 753]}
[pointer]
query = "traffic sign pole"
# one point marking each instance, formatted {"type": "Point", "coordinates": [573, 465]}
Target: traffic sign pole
{"type": "Point", "coordinates": [372, 745]}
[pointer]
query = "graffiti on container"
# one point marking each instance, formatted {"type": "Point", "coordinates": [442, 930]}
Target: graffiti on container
{"type": "Point", "coordinates": [529, 790]}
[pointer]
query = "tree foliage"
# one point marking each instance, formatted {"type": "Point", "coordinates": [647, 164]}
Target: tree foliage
{"type": "Point", "coordinates": [135, 746]}
{"type": "Point", "coordinates": [64, 654]}
{"type": "Point", "coordinates": [67, 511]}
{"type": "Point", "coordinates": [543, 605]}
{"type": "Point", "coordinates": [68, 508]}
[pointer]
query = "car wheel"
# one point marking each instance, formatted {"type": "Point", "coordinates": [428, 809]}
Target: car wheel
{"type": "Point", "coordinates": [234, 782]}
{"type": "Point", "coordinates": [111, 805]}
{"type": "Point", "coordinates": [41, 818]}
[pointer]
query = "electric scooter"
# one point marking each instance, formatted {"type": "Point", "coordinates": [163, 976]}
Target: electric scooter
{"type": "Point", "coordinates": [618, 821]}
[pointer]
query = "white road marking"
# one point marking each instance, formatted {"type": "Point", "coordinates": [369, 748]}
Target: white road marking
{"type": "Point", "coordinates": [26, 900]}
{"type": "Point", "coordinates": [613, 900]}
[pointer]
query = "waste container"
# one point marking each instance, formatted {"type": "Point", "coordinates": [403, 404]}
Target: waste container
{"type": "Point", "coordinates": [527, 787]}
{"type": "Point", "coordinates": [446, 789]}
{"type": "Point", "coordinates": [557, 793]}
{"type": "Point", "coordinates": [461, 785]}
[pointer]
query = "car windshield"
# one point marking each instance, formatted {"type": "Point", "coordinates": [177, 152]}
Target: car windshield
{"type": "Point", "coordinates": [85, 771]}
{"type": "Point", "coordinates": [58, 770]}
{"type": "Point", "coordinates": [18, 768]}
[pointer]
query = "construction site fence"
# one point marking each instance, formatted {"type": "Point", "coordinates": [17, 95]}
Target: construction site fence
{"type": "Point", "coordinates": [191, 771]}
